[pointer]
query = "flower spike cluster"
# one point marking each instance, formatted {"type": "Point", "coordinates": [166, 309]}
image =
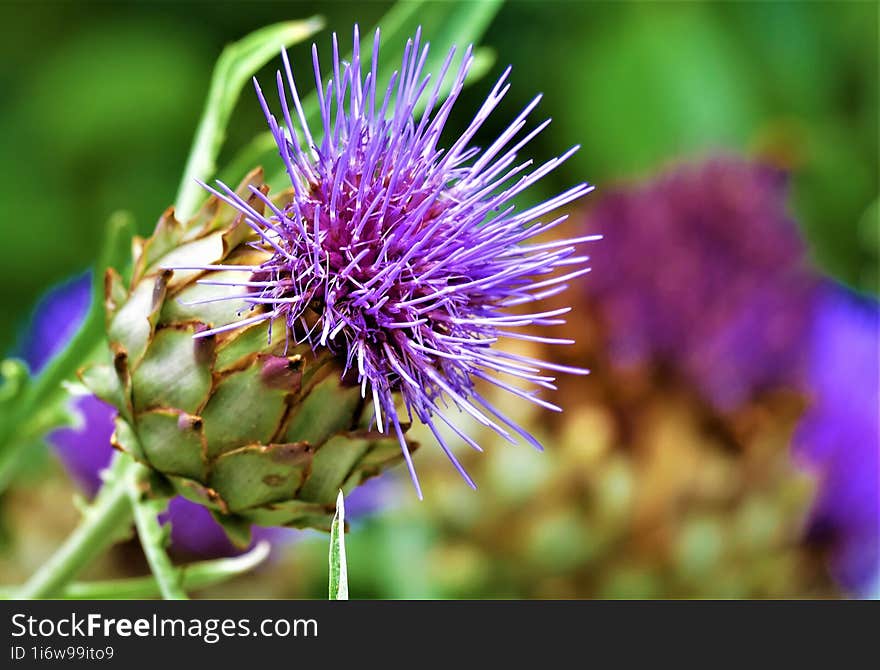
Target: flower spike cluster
{"type": "Point", "coordinates": [403, 257]}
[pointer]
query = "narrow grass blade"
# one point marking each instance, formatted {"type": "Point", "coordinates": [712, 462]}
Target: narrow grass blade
{"type": "Point", "coordinates": [338, 567]}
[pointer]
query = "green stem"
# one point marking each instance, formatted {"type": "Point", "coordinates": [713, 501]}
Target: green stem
{"type": "Point", "coordinates": [102, 524]}
{"type": "Point", "coordinates": [153, 539]}
{"type": "Point", "coordinates": [100, 527]}
{"type": "Point", "coordinates": [193, 576]}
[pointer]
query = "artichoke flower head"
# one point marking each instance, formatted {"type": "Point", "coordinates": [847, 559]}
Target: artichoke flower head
{"type": "Point", "coordinates": [275, 348]}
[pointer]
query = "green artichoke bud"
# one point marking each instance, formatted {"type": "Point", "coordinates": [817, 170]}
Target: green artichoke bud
{"type": "Point", "coordinates": [245, 422]}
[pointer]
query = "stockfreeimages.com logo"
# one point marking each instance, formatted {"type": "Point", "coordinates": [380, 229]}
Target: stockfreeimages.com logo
{"type": "Point", "coordinates": [209, 631]}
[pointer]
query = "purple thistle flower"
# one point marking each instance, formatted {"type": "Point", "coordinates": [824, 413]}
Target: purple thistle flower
{"type": "Point", "coordinates": [704, 271]}
{"type": "Point", "coordinates": [401, 256]}
{"type": "Point", "coordinates": [840, 434]}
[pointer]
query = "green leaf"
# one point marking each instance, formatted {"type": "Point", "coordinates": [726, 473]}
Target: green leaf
{"type": "Point", "coordinates": [238, 63]}
{"type": "Point", "coordinates": [338, 568]}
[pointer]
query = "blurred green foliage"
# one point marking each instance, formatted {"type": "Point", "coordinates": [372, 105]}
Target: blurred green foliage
{"type": "Point", "coordinates": [100, 103]}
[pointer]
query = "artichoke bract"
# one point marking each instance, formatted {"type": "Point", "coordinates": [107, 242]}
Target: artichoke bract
{"type": "Point", "coordinates": [245, 422]}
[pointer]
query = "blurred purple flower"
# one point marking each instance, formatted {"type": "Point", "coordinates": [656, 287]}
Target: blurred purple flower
{"type": "Point", "coordinates": [703, 269]}
{"type": "Point", "coordinates": [840, 434]}
{"type": "Point", "coordinates": [86, 450]}
{"type": "Point", "coordinates": [55, 320]}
